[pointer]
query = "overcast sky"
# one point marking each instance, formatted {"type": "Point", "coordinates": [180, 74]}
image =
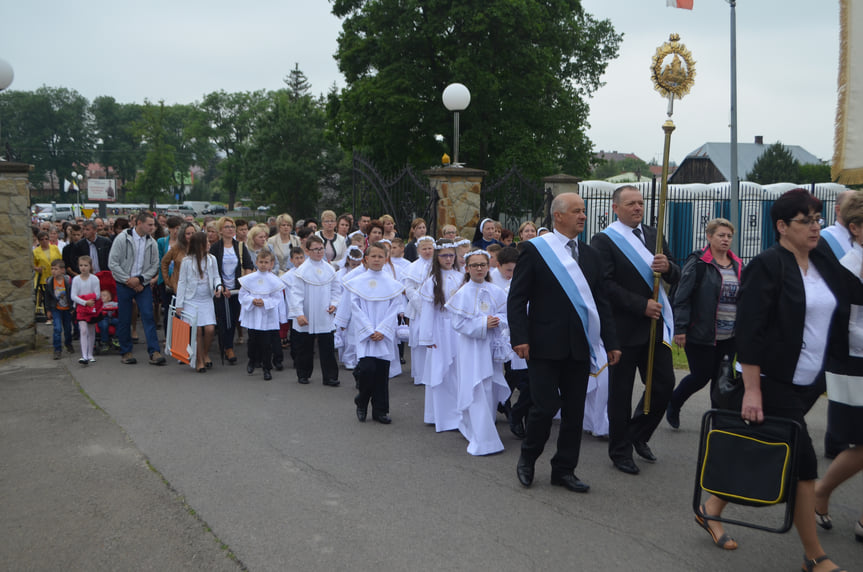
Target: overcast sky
{"type": "Point", "coordinates": [179, 50]}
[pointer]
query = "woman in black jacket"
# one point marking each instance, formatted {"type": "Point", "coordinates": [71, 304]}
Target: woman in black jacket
{"type": "Point", "coordinates": [234, 261]}
{"type": "Point", "coordinates": [705, 312]}
{"type": "Point", "coordinates": [790, 296]}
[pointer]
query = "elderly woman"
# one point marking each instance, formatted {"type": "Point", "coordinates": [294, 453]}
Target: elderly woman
{"type": "Point", "coordinates": [233, 261]}
{"type": "Point", "coordinates": [845, 384]}
{"type": "Point", "coordinates": [705, 311]}
{"type": "Point", "coordinates": [449, 231]}
{"type": "Point", "coordinates": [284, 240]}
{"type": "Point", "coordinates": [418, 229]}
{"type": "Point", "coordinates": [790, 296]}
{"type": "Point", "coordinates": [256, 241]}
{"type": "Point", "coordinates": [335, 244]}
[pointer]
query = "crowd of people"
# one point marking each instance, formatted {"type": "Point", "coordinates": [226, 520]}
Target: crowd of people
{"type": "Point", "coordinates": [534, 325]}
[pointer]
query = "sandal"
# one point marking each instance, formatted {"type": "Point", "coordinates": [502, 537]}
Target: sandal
{"type": "Point", "coordinates": [823, 520]}
{"type": "Point", "coordinates": [809, 565]}
{"type": "Point", "coordinates": [725, 541]}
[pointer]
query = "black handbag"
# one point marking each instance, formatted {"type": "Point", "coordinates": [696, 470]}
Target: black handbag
{"type": "Point", "coordinates": [727, 391]}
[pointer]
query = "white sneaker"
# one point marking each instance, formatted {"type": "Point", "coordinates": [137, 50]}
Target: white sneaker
{"type": "Point", "coordinates": [92, 360]}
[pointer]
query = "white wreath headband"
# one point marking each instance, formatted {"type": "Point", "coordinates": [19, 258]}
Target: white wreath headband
{"type": "Point", "coordinates": [425, 237]}
{"type": "Point", "coordinates": [462, 242]}
{"type": "Point", "coordinates": [477, 251]}
{"type": "Point", "coordinates": [354, 249]}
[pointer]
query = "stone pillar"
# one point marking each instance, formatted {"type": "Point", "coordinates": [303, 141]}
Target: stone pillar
{"type": "Point", "coordinates": [458, 190]}
{"type": "Point", "coordinates": [561, 183]}
{"type": "Point", "coordinates": [17, 306]}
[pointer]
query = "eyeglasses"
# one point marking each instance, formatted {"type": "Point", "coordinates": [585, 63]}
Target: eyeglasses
{"type": "Point", "coordinates": [316, 250]}
{"type": "Point", "coordinates": [446, 255]}
{"type": "Point", "coordinates": [478, 265]}
{"type": "Point", "coordinates": [809, 220]}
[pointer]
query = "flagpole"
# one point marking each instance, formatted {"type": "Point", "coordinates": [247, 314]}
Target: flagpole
{"type": "Point", "coordinates": [734, 195]}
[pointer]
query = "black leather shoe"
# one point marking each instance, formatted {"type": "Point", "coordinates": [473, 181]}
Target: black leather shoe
{"type": "Point", "coordinates": [250, 369]}
{"type": "Point", "coordinates": [570, 482]}
{"type": "Point", "coordinates": [517, 428]}
{"type": "Point", "coordinates": [524, 470]}
{"type": "Point", "coordinates": [644, 451]}
{"type": "Point", "coordinates": [331, 382]}
{"type": "Point", "coordinates": [361, 414]}
{"type": "Point", "coordinates": [627, 466]}
{"type": "Point", "coordinates": [672, 415]}
{"type": "Point", "coordinates": [279, 366]}
{"type": "Point", "coordinates": [384, 418]}
{"type": "Point", "coordinates": [267, 375]}
{"type": "Point", "coordinates": [303, 380]}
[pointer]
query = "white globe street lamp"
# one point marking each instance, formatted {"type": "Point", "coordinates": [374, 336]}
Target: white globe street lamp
{"type": "Point", "coordinates": [6, 75]}
{"type": "Point", "coordinates": [456, 97]}
{"type": "Point", "coordinates": [76, 179]}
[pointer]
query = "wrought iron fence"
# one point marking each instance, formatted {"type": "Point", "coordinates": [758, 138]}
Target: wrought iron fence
{"type": "Point", "coordinates": [514, 199]}
{"type": "Point", "coordinates": [404, 196]}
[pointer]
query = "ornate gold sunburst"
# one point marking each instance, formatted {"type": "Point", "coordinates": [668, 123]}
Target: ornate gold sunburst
{"type": "Point", "coordinates": [674, 78]}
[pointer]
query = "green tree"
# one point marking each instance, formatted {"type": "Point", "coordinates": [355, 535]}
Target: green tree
{"type": "Point", "coordinates": [187, 132]}
{"type": "Point", "coordinates": [818, 173]}
{"type": "Point", "coordinates": [231, 120]}
{"type": "Point", "coordinates": [606, 169]}
{"type": "Point", "coordinates": [775, 165]}
{"type": "Point", "coordinates": [157, 176]}
{"type": "Point", "coordinates": [291, 155]}
{"type": "Point", "coordinates": [530, 66]}
{"type": "Point", "coordinates": [50, 128]}
{"type": "Point", "coordinates": [118, 145]}
{"type": "Point", "coordinates": [298, 84]}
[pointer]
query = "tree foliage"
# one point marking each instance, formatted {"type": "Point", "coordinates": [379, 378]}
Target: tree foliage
{"type": "Point", "coordinates": [819, 173]}
{"type": "Point", "coordinates": [118, 146]}
{"type": "Point", "coordinates": [291, 154]}
{"type": "Point", "coordinates": [51, 129]}
{"type": "Point", "coordinates": [606, 169]}
{"type": "Point", "coordinates": [530, 67]}
{"type": "Point", "coordinates": [775, 165]}
{"type": "Point", "coordinates": [158, 174]}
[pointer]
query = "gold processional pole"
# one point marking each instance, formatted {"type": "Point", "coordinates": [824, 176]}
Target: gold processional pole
{"type": "Point", "coordinates": [672, 80]}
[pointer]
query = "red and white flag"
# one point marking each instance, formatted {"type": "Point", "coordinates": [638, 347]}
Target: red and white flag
{"type": "Point", "coordinates": [685, 4]}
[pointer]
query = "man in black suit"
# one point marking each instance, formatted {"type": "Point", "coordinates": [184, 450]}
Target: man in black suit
{"type": "Point", "coordinates": [627, 249]}
{"type": "Point", "coordinates": [96, 247]}
{"type": "Point", "coordinates": [552, 337]}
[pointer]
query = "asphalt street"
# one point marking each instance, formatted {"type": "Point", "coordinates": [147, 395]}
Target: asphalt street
{"type": "Point", "coordinates": [287, 479]}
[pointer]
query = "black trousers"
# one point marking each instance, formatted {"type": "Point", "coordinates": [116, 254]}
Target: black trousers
{"type": "Point", "coordinates": [373, 381]}
{"type": "Point", "coordinates": [624, 427]}
{"type": "Point", "coordinates": [305, 355]}
{"type": "Point", "coordinates": [703, 364]}
{"type": "Point", "coordinates": [226, 328]}
{"type": "Point", "coordinates": [261, 347]}
{"type": "Point", "coordinates": [556, 385]}
{"type": "Point", "coordinates": [518, 379]}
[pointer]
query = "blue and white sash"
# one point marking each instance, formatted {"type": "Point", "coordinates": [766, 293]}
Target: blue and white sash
{"type": "Point", "coordinates": [833, 241]}
{"type": "Point", "coordinates": [641, 258]}
{"type": "Point", "coordinates": [570, 277]}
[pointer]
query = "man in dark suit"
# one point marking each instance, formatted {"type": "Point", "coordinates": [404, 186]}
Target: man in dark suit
{"type": "Point", "coordinates": [552, 336]}
{"type": "Point", "coordinates": [627, 249]}
{"type": "Point", "coordinates": [96, 247]}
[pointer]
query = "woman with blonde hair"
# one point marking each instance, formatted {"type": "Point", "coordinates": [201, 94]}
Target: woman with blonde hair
{"type": "Point", "coordinates": [389, 223]}
{"type": "Point", "coordinates": [283, 241]}
{"type": "Point", "coordinates": [256, 241]}
{"type": "Point", "coordinates": [526, 230]}
{"type": "Point", "coordinates": [233, 262]}
{"type": "Point", "coordinates": [335, 244]}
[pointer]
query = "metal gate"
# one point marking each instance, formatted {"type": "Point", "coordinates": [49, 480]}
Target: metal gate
{"type": "Point", "coordinates": [404, 196]}
{"type": "Point", "coordinates": [514, 199]}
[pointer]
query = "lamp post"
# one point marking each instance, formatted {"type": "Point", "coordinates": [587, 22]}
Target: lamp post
{"type": "Point", "coordinates": [6, 77]}
{"type": "Point", "coordinates": [456, 97]}
{"type": "Point", "coordinates": [76, 179]}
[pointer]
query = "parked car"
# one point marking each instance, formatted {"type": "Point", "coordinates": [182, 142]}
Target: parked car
{"type": "Point", "coordinates": [181, 211]}
{"type": "Point", "coordinates": [216, 210]}
{"type": "Point", "coordinates": [56, 213]}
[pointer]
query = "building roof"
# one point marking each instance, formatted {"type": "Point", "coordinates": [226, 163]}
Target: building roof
{"type": "Point", "coordinates": [747, 154]}
{"type": "Point", "coordinates": [615, 156]}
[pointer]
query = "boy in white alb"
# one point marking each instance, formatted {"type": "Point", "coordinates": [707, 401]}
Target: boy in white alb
{"type": "Point", "coordinates": [376, 300]}
{"type": "Point", "coordinates": [262, 307]}
{"type": "Point", "coordinates": [312, 303]}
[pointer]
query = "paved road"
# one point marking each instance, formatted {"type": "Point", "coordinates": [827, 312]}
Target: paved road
{"type": "Point", "coordinates": [289, 480]}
